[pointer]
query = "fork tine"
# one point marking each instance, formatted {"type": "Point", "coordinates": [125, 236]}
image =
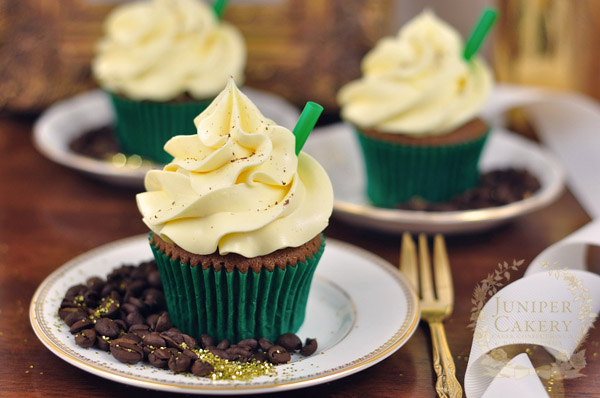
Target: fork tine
{"type": "Point", "coordinates": [425, 270]}
{"type": "Point", "coordinates": [408, 261]}
{"type": "Point", "coordinates": [441, 268]}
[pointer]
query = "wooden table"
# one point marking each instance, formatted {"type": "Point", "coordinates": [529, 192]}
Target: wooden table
{"type": "Point", "coordinates": [50, 214]}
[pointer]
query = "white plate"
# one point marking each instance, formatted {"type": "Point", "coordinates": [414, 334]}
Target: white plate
{"type": "Point", "coordinates": [352, 326]}
{"type": "Point", "coordinates": [338, 151]}
{"type": "Point", "coordinates": [64, 121]}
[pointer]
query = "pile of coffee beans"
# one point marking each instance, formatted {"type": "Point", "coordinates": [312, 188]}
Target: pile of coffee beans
{"type": "Point", "coordinates": [100, 143]}
{"type": "Point", "coordinates": [125, 314]}
{"type": "Point", "coordinates": [495, 188]}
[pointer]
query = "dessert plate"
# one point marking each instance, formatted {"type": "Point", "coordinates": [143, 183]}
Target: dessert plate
{"type": "Point", "coordinates": [353, 330]}
{"type": "Point", "coordinates": [67, 120]}
{"type": "Point", "coordinates": [338, 151]}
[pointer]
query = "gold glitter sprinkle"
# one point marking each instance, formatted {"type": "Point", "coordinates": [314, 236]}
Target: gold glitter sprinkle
{"type": "Point", "coordinates": [231, 370]}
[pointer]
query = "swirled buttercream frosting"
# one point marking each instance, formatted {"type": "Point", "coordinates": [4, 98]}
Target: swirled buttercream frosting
{"type": "Point", "coordinates": [237, 185]}
{"type": "Point", "coordinates": [417, 83]}
{"type": "Point", "coordinates": [160, 49]}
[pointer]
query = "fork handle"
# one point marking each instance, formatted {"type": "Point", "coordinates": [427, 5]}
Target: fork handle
{"type": "Point", "coordinates": [446, 385]}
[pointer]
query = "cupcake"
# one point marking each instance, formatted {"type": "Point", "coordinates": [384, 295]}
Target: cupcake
{"type": "Point", "coordinates": [415, 111]}
{"type": "Point", "coordinates": [162, 62]}
{"type": "Point", "coordinates": [236, 223]}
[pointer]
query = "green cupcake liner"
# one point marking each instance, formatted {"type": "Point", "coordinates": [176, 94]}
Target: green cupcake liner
{"type": "Point", "coordinates": [235, 305]}
{"type": "Point", "coordinates": [143, 127]}
{"type": "Point", "coordinates": [397, 173]}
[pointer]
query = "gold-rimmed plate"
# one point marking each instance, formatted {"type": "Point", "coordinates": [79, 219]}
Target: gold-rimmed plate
{"type": "Point", "coordinates": [353, 329]}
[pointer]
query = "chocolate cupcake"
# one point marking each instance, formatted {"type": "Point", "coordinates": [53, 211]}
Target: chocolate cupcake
{"type": "Point", "coordinates": [162, 63]}
{"type": "Point", "coordinates": [237, 221]}
{"type": "Point", "coordinates": [415, 112]}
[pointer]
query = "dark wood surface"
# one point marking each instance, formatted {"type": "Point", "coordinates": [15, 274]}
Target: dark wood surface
{"type": "Point", "coordinates": [49, 214]}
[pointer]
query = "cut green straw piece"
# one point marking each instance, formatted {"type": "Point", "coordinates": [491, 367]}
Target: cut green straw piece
{"type": "Point", "coordinates": [219, 7]}
{"type": "Point", "coordinates": [485, 23]}
{"type": "Point", "coordinates": [306, 122]}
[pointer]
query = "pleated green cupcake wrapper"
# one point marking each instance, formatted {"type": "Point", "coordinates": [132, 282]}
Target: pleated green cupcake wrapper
{"type": "Point", "coordinates": [236, 305]}
{"type": "Point", "coordinates": [396, 173]}
{"type": "Point", "coordinates": [143, 127]}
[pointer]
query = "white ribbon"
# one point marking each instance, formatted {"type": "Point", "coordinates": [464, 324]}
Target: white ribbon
{"type": "Point", "coordinates": [556, 301]}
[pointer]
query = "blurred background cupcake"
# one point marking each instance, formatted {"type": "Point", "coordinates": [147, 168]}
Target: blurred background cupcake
{"type": "Point", "coordinates": [415, 113]}
{"type": "Point", "coordinates": [162, 62]}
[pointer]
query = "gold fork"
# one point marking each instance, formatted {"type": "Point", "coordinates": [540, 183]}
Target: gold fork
{"type": "Point", "coordinates": [437, 301]}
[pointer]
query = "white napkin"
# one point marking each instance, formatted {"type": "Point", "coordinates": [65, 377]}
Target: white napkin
{"type": "Point", "coordinates": [565, 297]}
{"type": "Point", "coordinates": [567, 123]}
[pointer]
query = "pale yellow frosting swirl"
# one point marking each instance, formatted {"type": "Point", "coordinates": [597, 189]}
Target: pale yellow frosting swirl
{"type": "Point", "coordinates": [417, 83]}
{"type": "Point", "coordinates": [159, 49]}
{"type": "Point", "coordinates": [237, 185]}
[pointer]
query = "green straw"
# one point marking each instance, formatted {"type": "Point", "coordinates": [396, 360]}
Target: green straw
{"type": "Point", "coordinates": [306, 122]}
{"type": "Point", "coordinates": [485, 23]}
{"type": "Point", "coordinates": [219, 7]}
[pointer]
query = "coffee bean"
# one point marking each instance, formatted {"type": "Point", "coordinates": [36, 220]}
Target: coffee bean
{"type": "Point", "coordinates": [134, 318]}
{"type": "Point", "coordinates": [108, 308]}
{"type": "Point", "coordinates": [129, 308]}
{"type": "Point", "coordinates": [74, 315]}
{"type": "Point", "coordinates": [154, 279]}
{"type": "Point", "coordinates": [173, 337]}
{"type": "Point", "coordinates": [107, 327]}
{"type": "Point", "coordinates": [102, 343]}
{"type": "Point", "coordinates": [206, 341]}
{"type": "Point", "coordinates": [86, 338]}
{"type": "Point", "coordinates": [126, 350]}
{"type": "Point", "coordinates": [132, 337]}
{"type": "Point", "coordinates": [141, 307]}
{"type": "Point", "coordinates": [310, 346]}
{"type": "Point", "coordinates": [220, 353]}
{"type": "Point", "coordinates": [136, 287]}
{"type": "Point", "coordinates": [189, 341]}
{"type": "Point", "coordinates": [238, 354]}
{"type": "Point", "coordinates": [265, 344]}
{"type": "Point", "coordinates": [289, 341]}
{"type": "Point", "coordinates": [191, 354]}
{"type": "Point", "coordinates": [95, 283]}
{"type": "Point", "coordinates": [64, 311]}
{"type": "Point", "coordinates": [154, 340]}
{"type": "Point", "coordinates": [277, 354]}
{"type": "Point", "coordinates": [250, 343]}
{"type": "Point", "coordinates": [179, 363]}
{"type": "Point", "coordinates": [74, 291]}
{"type": "Point", "coordinates": [108, 289]}
{"type": "Point", "coordinates": [202, 369]}
{"type": "Point", "coordinates": [121, 323]}
{"type": "Point", "coordinates": [139, 329]}
{"type": "Point", "coordinates": [151, 321]}
{"type": "Point", "coordinates": [163, 323]}
{"type": "Point", "coordinates": [223, 344]}
{"type": "Point", "coordinates": [91, 297]}
{"type": "Point", "coordinates": [259, 356]}
{"type": "Point", "coordinates": [160, 358]}
{"type": "Point", "coordinates": [84, 323]}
